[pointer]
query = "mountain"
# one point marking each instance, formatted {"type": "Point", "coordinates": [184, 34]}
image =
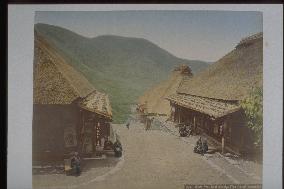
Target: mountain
{"type": "Point", "coordinates": [123, 67]}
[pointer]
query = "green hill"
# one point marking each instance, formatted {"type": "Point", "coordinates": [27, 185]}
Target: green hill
{"type": "Point", "coordinates": [120, 66]}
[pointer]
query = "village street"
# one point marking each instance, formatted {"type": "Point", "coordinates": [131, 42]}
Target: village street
{"type": "Point", "coordinates": [151, 159]}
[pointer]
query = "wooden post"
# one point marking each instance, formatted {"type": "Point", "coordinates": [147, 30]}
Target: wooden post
{"type": "Point", "coordinates": [98, 133]}
{"type": "Point", "coordinates": [178, 114]}
{"type": "Point", "coordinates": [82, 131]}
{"type": "Point", "coordinates": [194, 123]}
{"type": "Point", "coordinates": [79, 131]}
{"type": "Point", "coordinates": [224, 136]}
{"type": "Point", "coordinates": [83, 122]}
{"type": "Point", "coordinates": [147, 123]}
{"type": "Point", "coordinates": [94, 135]}
{"type": "Point", "coordinates": [175, 113]}
{"type": "Point", "coordinates": [172, 116]}
{"type": "Point", "coordinates": [223, 145]}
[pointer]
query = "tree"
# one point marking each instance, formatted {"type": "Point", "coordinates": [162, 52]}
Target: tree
{"type": "Point", "coordinates": [253, 108]}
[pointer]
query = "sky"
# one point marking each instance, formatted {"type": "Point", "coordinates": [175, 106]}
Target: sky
{"type": "Point", "coordinates": [194, 35]}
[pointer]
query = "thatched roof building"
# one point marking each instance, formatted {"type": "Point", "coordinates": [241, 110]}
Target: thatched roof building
{"type": "Point", "coordinates": [155, 97]}
{"type": "Point", "coordinates": [56, 82]}
{"type": "Point", "coordinates": [210, 100]}
{"type": "Point", "coordinates": [69, 114]}
{"type": "Point", "coordinates": [232, 77]}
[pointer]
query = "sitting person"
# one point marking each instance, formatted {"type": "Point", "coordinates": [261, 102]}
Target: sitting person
{"type": "Point", "coordinates": [75, 163]}
{"type": "Point", "coordinates": [108, 144]}
{"type": "Point", "coordinates": [201, 146]}
{"type": "Point", "coordinates": [205, 145]}
{"type": "Point", "coordinates": [199, 141]}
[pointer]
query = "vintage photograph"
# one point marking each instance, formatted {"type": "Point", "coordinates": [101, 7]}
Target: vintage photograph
{"type": "Point", "coordinates": [147, 99]}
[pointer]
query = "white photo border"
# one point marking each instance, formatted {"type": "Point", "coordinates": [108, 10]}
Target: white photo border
{"type": "Point", "coordinates": [20, 80]}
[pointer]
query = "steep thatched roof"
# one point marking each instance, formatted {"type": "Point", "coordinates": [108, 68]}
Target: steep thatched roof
{"type": "Point", "coordinates": [212, 107]}
{"type": "Point", "coordinates": [97, 102]}
{"type": "Point", "coordinates": [247, 41]}
{"type": "Point", "coordinates": [155, 97]}
{"type": "Point", "coordinates": [233, 76]}
{"type": "Point", "coordinates": [56, 82]}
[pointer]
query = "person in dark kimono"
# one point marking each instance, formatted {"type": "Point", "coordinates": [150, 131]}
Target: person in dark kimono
{"type": "Point", "coordinates": [127, 124]}
{"type": "Point", "coordinates": [75, 164]}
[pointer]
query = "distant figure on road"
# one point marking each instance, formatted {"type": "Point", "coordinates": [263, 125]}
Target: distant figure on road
{"type": "Point", "coordinates": [127, 124]}
{"type": "Point", "coordinates": [149, 123]}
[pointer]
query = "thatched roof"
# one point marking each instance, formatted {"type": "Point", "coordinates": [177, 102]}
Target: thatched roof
{"type": "Point", "coordinates": [97, 102]}
{"type": "Point", "coordinates": [233, 76]}
{"type": "Point", "coordinates": [212, 107]}
{"type": "Point", "coordinates": [155, 97]}
{"type": "Point", "coordinates": [56, 82]}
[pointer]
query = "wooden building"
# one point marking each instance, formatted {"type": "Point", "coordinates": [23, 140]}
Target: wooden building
{"type": "Point", "coordinates": [221, 120]}
{"type": "Point", "coordinates": [210, 100]}
{"type": "Point", "coordinates": [69, 114]}
{"type": "Point", "coordinates": [95, 120]}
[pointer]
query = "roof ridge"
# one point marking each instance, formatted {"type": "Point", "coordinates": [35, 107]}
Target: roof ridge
{"type": "Point", "coordinates": [211, 98]}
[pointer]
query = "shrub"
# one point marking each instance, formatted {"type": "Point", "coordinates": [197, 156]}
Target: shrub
{"type": "Point", "coordinates": [253, 108]}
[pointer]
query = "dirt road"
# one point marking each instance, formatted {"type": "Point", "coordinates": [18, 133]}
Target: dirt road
{"type": "Point", "coordinates": [155, 159]}
{"type": "Point", "coordinates": [151, 159]}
